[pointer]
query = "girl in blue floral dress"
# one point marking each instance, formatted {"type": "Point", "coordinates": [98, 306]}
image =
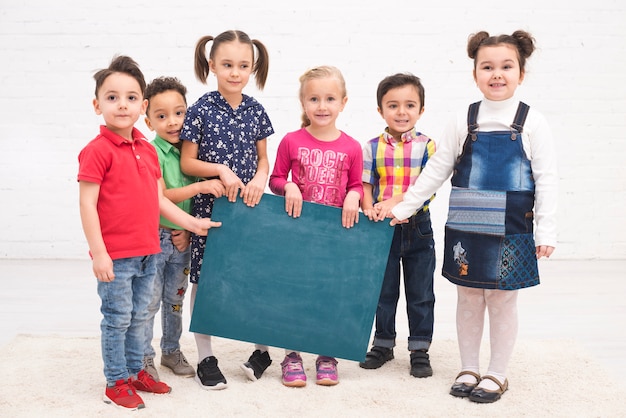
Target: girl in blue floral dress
{"type": "Point", "coordinates": [224, 136]}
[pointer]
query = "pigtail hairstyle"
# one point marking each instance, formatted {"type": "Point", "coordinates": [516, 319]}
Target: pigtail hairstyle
{"type": "Point", "coordinates": [260, 66]}
{"type": "Point", "coordinates": [201, 64]}
{"type": "Point", "coordinates": [523, 42]}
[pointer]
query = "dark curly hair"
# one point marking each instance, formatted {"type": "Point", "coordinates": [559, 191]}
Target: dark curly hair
{"type": "Point", "coordinates": [163, 84]}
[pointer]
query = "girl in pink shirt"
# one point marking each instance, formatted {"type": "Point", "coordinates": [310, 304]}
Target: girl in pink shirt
{"type": "Point", "coordinates": [326, 166]}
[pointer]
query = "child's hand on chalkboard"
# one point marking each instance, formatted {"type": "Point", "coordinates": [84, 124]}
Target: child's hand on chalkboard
{"type": "Point", "coordinates": [253, 191]}
{"type": "Point", "coordinates": [231, 182]}
{"type": "Point", "coordinates": [201, 226]}
{"type": "Point", "coordinates": [371, 214]}
{"type": "Point", "coordinates": [293, 200]}
{"type": "Point", "coordinates": [350, 212]}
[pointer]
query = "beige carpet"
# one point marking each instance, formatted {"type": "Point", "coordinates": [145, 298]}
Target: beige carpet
{"type": "Point", "coordinates": [62, 376]}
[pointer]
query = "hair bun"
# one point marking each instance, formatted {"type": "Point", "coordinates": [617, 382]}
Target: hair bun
{"type": "Point", "coordinates": [525, 41]}
{"type": "Point", "coordinates": [474, 41]}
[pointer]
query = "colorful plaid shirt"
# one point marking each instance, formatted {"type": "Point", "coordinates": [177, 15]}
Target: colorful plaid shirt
{"type": "Point", "coordinates": [392, 166]}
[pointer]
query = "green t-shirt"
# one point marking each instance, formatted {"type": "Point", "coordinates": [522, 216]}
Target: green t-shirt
{"type": "Point", "coordinates": [169, 160]}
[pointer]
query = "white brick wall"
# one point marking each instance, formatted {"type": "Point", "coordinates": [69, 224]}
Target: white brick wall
{"type": "Point", "coordinates": [49, 52]}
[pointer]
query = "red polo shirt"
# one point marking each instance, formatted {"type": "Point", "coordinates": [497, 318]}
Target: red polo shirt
{"type": "Point", "coordinates": [128, 205]}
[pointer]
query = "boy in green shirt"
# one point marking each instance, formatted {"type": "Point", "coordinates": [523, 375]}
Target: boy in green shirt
{"type": "Point", "coordinates": [164, 115]}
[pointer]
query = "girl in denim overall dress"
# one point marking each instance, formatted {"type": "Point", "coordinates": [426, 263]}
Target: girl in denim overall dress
{"type": "Point", "coordinates": [504, 182]}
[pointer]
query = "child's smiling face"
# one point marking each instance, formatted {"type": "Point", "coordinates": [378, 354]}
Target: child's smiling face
{"type": "Point", "coordinates": [322, 100]}
{"type": "Point", "coordinates": [166, 114]}
{"type": "Point", "coordinates": [497, 72]}
{"type": "Point", "coordinates": [401, 108]}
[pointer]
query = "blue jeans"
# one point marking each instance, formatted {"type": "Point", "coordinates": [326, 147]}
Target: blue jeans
{"type": "Point", "coordinates": [125, 315]}
{"type": "Point", "coordinates": [170, 285]}
{"type": "Point", "coordinates": [413, 246]}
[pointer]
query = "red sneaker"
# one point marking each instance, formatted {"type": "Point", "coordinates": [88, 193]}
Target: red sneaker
{"type": "Point", "coordinates": [146, 383]}
{"type": "Point", "coordinates": [124, 395]}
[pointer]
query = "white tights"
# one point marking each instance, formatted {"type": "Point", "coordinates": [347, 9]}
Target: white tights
{"type": "Point", "coordinates": [503, 326]}
{"type": "Point", "coordinates": [203, 341]}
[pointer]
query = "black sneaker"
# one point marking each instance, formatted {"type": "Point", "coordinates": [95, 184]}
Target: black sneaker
{"type": "Point", "coordinates": [420, 364]}
{"type": "Point", "coordinates": [256, 364]}
{"type": "Point", "coordinates": [209, 376]}
{"type": "Point", "coordinates": [376, 357]}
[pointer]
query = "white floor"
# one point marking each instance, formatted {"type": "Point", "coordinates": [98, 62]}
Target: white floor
{"type": "Point", "coordinates": [581, 301]}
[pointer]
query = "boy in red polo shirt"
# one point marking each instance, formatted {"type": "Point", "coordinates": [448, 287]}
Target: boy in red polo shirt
{"type": "Point", "coordinates": [121, 196]}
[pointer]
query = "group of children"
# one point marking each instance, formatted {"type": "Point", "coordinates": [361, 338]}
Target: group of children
{"type": "Point", "coordinates": [146, 209]}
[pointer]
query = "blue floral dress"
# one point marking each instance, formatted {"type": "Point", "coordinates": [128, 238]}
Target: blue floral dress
{"type": "Point", "coordinates": [226, 136]}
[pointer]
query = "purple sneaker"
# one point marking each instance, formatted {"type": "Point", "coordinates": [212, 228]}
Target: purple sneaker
{"type": "Point", "coordinates": [326, 371]}
{"type": "Point", "coordinates": [293, 372]}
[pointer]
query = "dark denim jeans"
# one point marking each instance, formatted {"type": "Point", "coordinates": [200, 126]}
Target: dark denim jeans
{"type": "Point", "coordinates": [413, 246]}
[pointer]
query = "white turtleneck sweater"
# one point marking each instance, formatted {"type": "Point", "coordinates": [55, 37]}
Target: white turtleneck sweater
{"type": "Point", "coordinates": [495, 116]}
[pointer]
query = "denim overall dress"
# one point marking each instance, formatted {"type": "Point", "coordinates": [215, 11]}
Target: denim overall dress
{"type": "Point", "coordinates": [489, 241]}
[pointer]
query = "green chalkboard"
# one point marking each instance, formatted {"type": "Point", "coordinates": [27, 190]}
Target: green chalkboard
{"type": "Point", "coordinates": [305, 284]}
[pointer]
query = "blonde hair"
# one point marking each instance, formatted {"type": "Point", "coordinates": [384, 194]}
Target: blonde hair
{"type": "Point", "coordinates": [324, 71]}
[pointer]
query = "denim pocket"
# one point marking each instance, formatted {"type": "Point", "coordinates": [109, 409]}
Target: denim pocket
{"type": "Point", "coordinates": [422, 224]}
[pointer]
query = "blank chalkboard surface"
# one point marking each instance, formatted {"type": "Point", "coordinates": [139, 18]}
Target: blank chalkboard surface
{"type": "Point", "coordinates": [305, 284]}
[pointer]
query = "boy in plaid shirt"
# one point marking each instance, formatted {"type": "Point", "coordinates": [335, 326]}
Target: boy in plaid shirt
{"type": "Point", "coordinates": [391, 163]}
